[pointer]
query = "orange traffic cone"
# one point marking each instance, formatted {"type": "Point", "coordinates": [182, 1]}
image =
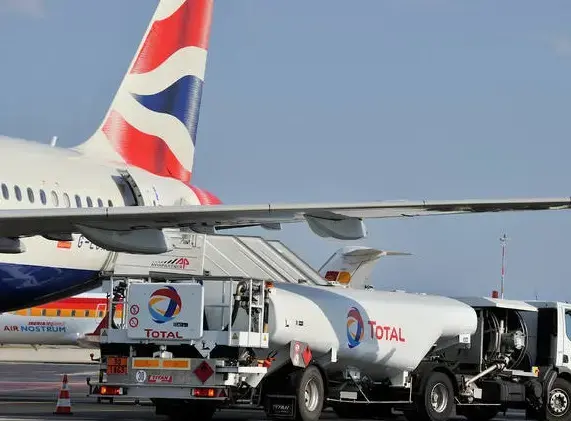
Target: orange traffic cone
{"type": "Point", "coordinates": [63, 405]}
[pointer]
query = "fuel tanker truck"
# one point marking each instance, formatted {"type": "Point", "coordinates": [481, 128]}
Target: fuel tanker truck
{"type": "Point", "coordinates": [193, 344]}
{"type": "Point", "coordinates": [369, 353]}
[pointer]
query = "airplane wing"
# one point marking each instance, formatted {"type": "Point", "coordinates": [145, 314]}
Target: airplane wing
{"type": "Point", "coordinates": [138, 229]}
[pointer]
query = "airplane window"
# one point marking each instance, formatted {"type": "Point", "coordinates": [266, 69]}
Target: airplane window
{"type": "Point", "coordinates": [55, 199]}
{"type": "Point", "coordinates": [58, 313]}
{"type": "Point", "coordinates": [30, 195]}
{"type": "Point", "coordinates": [43, 197]}
{"type": "Point", "coordinates": [72, 313]}
{"type": "Point", "coordinates": [66, 200]}
{"type": "Point", "coordinates": [100, 203]}
{"type": "Point", "coordinates": [89, 202]}
{"type": "Point", "coordinates": [86, 313]}
{"type": "Point", "coordinates": [78, 201]}
{"type": "Point", "coordinates": [44, 312]}
{"type": "Point", "coordinates": [5, 192]}
{"type": "Point", "coordinates": [18, 193]}
{"type": "Point", "coordinates": [110, 204]}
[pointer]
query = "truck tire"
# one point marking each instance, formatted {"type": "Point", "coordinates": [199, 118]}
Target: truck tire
{"type": "Point", "coordinates": [436, 400]}
{"type": "Point", "coordinates": [558, 405]}
{"type": "Point", "coordinates": [310, 394]}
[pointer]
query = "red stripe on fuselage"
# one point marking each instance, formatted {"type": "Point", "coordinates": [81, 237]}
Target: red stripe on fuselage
{"type": "Point", "coordinates": [78, 303]}
{"type": "Point", "coordinates": [205, 197]}
{"type": "Point", "coordinates": [142, 150]}
{"type": "Point", "coordinates": [75, 304]}
{"type": "Point", "coordinates": [189, 26]}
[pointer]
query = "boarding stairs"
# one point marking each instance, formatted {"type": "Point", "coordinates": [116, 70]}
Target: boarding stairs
{"type": "Point", "coordinates": [220, 255]}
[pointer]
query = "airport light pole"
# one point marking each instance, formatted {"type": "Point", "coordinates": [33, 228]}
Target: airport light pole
{"type": "Point", "coordinates": [503, 240]}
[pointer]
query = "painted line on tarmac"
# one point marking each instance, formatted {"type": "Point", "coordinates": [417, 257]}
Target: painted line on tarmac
{"type": "Point", "coordinates": [13, 387]}
{"type": "Point", "coordinates": [31, 417]}
{"type": "Point", "coordinates": [7, 418]}
{"type": "Point", "coordinates": [51, 418]}
{"type": "Point", "coordinates": [23, 402]}
{"type": "Point", "coordinates": [51, 383]}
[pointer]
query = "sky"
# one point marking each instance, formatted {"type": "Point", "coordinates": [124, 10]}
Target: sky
{"type": "Point", "coordinates": [325, 102]}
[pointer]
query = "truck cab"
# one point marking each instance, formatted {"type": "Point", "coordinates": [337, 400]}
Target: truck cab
{"type": "Point", "coordinates": [553, 333]}
{"type": "Point", "coordinates": [518, 358]}
{"type": "Point", "coordinates": [552, 352]}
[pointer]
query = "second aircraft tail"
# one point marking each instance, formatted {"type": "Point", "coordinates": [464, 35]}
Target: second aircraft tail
{"type": "Point", "coordinates": [351, 266]}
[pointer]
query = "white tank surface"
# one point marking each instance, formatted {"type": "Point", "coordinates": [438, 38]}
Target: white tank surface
{"type": "Point", "coordinates": [381, 332]}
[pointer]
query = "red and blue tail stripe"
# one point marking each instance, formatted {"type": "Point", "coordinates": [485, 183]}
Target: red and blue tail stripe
{"type": "Point", "coordinates": [181, 100]}
{"type": "Point", "coordinates": [153, 120]}
{"type": "Point", "coordinates": [189, 26]}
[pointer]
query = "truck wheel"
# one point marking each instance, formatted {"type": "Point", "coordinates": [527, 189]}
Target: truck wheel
{"type": "Point", "coordinates": [310, 394]}
{"type": "Point", "coordinates": [436, 400]}
{"type": "Point", "coordinates": [559, 401]}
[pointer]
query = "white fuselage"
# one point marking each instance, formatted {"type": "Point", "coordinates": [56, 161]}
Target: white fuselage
{"type": "Point", "coordinates": [50, 177]}
{"type": "Point", "coordinates": [62, 322]}
{"type": "Point", "coordinates": [60, 331]}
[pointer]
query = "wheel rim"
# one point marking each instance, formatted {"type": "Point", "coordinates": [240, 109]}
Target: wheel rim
{"type": "Point", "coordinates": [439, 397]}
{"type": "Point", "coordinates": [558, 402]}
{"type": "Point", "coordinates": [311, 395]}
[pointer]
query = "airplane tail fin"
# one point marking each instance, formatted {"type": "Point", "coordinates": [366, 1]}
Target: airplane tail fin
{"type": "Point", "coordinates": [152, 120]}
{"type": "Point", "coordinates": [351, 266]}
{"type": "Point", "coordinates": [91, 340]}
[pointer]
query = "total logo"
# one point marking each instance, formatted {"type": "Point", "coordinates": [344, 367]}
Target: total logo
{"type": "Point", "coordinates": [379, 332]}
{"type": "Point", "coordinates": [164, 304]}
{"type": "Point", "coordinates": [355, 328]}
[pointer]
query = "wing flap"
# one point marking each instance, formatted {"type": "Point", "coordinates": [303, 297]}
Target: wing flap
{"type": "Point", "coordinates": [27, 222]}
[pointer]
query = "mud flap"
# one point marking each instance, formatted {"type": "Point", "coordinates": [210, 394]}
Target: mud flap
{"type": "Point", "coordinates": [281, 407]}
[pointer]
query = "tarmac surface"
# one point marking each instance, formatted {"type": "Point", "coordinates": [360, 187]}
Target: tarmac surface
{"type": "Point", "coordinates": [28, 391]}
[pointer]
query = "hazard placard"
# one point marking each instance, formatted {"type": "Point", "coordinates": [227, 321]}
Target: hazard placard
{"type": "Point", "coordinates": [117, 365]}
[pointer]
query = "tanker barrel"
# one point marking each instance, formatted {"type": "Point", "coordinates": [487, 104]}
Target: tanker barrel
{"type": "Point", "coordinates": [458, 317]}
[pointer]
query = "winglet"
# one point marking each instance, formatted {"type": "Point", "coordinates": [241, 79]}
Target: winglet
{"type": "Point", "coordinates": [351, 266]}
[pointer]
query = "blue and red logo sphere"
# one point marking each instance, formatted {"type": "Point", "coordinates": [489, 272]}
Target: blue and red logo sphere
{"type": "Point", "coordinates": [164, 305]}
{"type": "Point", "coordinates": [355, 327]}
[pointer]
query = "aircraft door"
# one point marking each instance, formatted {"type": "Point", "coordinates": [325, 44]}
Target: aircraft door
{"type": "Point", "coordinates": [139, 195]}
{"type": "Point", "coordinates": [100, 311]}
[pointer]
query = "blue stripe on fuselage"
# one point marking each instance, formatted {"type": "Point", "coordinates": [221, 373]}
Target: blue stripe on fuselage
{"type": "Point", "coordinates": [23, 286]}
